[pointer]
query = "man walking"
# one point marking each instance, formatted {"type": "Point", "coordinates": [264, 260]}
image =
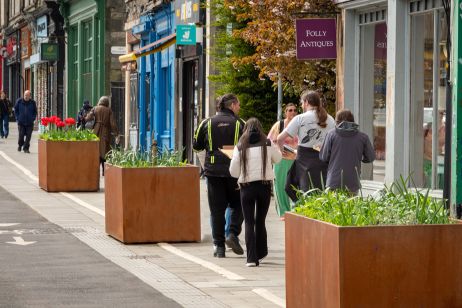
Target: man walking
{"type": "Point", "coordinates": [213, 133]}
{"type": "Point", "coordinates": [25, 111]}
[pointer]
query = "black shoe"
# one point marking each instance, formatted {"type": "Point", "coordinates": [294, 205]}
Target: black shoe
{"type": "Point", "coordinates": [219, 251]}
{"type": "Point", "coordinates": [26, 151]}
{"type": "Point", "coordinates": [233, 242]}
{"type": "Point", "coordinates": [19, 149]}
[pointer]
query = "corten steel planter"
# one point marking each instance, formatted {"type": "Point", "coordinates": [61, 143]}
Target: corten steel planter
{"type": "Point", "coordinates": [68, 165]}
{"type": "Point", "coordinates": [156, 204]}
{"type": "Point", "coordinates": [377, 266]}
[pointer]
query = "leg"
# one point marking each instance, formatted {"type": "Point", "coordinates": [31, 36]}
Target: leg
{"type": "Point", "coordinates": [28, 130]}
{"type": "Point", "coordinates": [228, 221]}
{"type": "Point", "coordinates": [263, 202]}
{"type": "Point", "coordinates": [22, 133]}
{"type": "Point", "coordinates": [6, 125]}
{"type": "Point", "coordinates": [234, 200]}
{"type": "Point", "coordinates": [248, 209]}
{"type": "Point", "coordinates": [217, 203]}
{"type": "Point", "coordinates": [2, 131]}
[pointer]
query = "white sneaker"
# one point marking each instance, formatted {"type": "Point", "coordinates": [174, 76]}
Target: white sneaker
{"type": "Point", "coordinates": [251, 264]}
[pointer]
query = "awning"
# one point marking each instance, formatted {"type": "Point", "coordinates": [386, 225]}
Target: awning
{"type": "Point", "coordinates": [149, 49]}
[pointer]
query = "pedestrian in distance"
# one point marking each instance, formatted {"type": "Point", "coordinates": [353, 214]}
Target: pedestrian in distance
{"type": "Point", "coordinates": [25, 111]}
{"type": "Point", "coordinates": [84, 111]}
{"type": "Point", "coordinates": [282, 168]}
{"type": "Point", "coordinates": [222, 129]}
{"type": "Point", "coordinates": [105, 127]}
{"type": "Point", "coordinates": [344, 148]}
{"type": "Point", "coordinates": [252, 165]}
{"type": "Point", "coordinates": [5, 111]}
{"type": "Point", "coordinates": [310, 127]}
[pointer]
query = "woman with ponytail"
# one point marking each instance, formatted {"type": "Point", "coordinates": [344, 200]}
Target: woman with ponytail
{"type": "Point", "coordinates": [311, 127]}
{"type": "Point", "coordinates": [252, 163]}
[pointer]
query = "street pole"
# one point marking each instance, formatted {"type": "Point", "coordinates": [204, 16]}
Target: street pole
{"type": "Point", "coordinates": [279, 97]}
{"type": "Point", "coordinates": [456, 151]}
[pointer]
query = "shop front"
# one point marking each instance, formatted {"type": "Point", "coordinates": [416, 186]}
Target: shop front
{"type": "Point", "coordinates": [394, 80]}
{"type": "Point", "coordinates": [155, 64]}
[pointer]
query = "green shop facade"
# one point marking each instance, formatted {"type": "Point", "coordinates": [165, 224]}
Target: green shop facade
{"type": "Point", "coordinates": [92, 71]}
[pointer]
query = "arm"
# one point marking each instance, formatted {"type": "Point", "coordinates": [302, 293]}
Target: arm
{"type": "Point", "coordinates": [16, 110]}
{"type": "Point", "coordinates": [235, 165]}
{"type": "Point", "coordinates": [368, 153]}
{"type": "Point", "coordinates": [326, 148]}
{"type": "Point", "coordinates": [276, 155]}
{"type": "Point", "coordinates": [281, 137]}
{"type": "Point", "coordinates": [273, 133]}
{"type": "Point", "coordinates": [199, 143]}
{"type": "Point", "coordinates": [34, 110]}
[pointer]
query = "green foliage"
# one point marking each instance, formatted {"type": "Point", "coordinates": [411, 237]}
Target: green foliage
{"type": "Point", "coordinates": [258, 95]}
{"type": "Point", "coordinates": [57, 130]}
{"type": "Point", "coordinates": [137, 159]}
{"type": "Point", "coordinates": [394, 205]}
{"type": "Point", "coordinates": [69, 135]}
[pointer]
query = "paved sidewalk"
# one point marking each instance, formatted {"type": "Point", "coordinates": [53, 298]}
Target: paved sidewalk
{"type": "Point", "coordinates": [186, 272]}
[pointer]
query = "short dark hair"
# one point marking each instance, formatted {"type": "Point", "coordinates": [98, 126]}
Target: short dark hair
{"type": "Point", "coordinates": [344, 115]}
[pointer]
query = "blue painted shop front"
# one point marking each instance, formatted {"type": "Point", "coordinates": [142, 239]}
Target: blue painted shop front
{"type": "Point", "coordinates": [156, 81]}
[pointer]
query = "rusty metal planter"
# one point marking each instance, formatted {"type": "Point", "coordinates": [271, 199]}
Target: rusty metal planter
{"type": "Point", "coordinates": [157, 204]}
{"type": "Point", "coordinates": [68, 165]}
{"type": "Point", "coordinates": [378, 266]}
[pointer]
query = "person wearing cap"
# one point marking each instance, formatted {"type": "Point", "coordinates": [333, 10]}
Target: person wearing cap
{"type": "Point", "coordinates": [83, 113]}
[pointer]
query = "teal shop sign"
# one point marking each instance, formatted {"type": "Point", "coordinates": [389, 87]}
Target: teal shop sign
{"type": "Point", "coordinates": [49, 52]}
{"type": "Point", "coordinates": [186, 35]}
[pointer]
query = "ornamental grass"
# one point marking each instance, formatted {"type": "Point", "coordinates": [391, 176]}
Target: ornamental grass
{"type": "Point", "coordinates": [396, 204]}
{"type": "Point", "coordinates": [138, 159]}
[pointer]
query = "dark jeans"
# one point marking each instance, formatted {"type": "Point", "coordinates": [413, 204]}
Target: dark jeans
{"type": "Point", "coordinates": [4, 125]}
{"type": "Point", "coordinates": [25, 132]}
{"type": "Point", "coordinates": [224, 193]}
{"type": "Point", "coordinates": [255, 194]}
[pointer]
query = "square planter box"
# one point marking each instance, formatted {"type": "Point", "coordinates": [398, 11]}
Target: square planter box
{"type": "Point", "coordinates": [68, 165]}
{"type": "Point", "coordinates": [378, 266]}
{"type": "Point", "coordinates": [156, 204]}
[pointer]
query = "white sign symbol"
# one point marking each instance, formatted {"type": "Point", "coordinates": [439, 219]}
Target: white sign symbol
{"type": "Point", "coordinates": [20, 241]}
{"type": "Point", "coordinates": [186, 35]}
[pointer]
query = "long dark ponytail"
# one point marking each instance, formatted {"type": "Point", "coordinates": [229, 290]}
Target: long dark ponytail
{"type": "Point", "coordinates": [252, 130]}
{"type": "Point", "coordinates": [314, 100]}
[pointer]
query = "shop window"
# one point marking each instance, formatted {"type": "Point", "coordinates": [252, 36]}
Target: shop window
{"type": "Point", "coordinates": [428, 98]}
{"type": "Point", "coordinates": [372, 109]}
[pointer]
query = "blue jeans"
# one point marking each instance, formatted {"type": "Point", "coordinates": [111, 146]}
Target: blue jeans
{"type": "Point", "coordinates": [4, 125]}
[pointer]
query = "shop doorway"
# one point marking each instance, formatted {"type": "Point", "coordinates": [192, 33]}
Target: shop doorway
{"type": "Point", "coordinates": [190, 105]}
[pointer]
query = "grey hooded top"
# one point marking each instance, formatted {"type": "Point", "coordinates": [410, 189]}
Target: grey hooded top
{"type": "Point", "coordinates": [344, 148]}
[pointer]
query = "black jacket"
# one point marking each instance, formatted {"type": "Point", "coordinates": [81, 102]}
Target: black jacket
{"type": "Point", "coordinates": [213, 133]}
{"type": "Point", "coordinates": [5, 106]}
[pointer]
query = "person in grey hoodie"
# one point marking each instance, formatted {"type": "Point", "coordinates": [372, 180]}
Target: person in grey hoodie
{"type": "Point", "coordinates": [344, 148]}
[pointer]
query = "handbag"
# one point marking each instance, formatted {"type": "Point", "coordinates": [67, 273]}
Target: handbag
{"type": "Point", "coordinates": [90, 124]}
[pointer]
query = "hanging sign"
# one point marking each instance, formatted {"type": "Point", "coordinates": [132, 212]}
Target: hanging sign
{"type": "Point", "coordinates": [186, 35]}
{"type": "Point", "coordinates": [49, 52]}
{"type": "Point", "coordinates": [42, 26]}
{"type": "Point", "coordinates": [316, 38]}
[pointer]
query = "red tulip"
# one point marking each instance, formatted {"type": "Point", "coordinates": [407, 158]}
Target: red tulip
{"type": "Point", "coordinates": [70, 121]}
{"type": "Point", "coordinates": [45, 121]}
{"type": "Point", "coordinates": [53, 119]}
{"type": "Point", "coordinates": [60, 123]}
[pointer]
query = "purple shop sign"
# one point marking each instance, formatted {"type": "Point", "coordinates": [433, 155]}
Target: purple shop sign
{"type": "Point", "coordinates": [316, 38]}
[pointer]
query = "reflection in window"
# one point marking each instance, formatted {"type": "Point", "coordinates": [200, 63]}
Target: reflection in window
{"type": "Point", "coordinates": [428, 97]}
{"type": "Point", "coordinates": [373, 73]}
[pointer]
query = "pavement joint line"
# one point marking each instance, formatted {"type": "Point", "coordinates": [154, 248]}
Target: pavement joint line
{"type": "Point", "coordinates": [270, 296]}
{"type": "Point", "coordinates": [209, 265]}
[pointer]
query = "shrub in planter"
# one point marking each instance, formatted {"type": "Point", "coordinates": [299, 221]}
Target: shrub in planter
{"type": "Point", "coordinates": [151, 198]}
{"type": "Point", "coordinates": [395, 249]}
{"type": "Point", "coordinates": [68, 157]}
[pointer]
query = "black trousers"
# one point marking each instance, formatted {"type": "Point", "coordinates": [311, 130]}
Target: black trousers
{"type": "Point", "coordinates": [255, 199]}
{"type": "Point", "coordinates": [25, 132]}
{"type": "Point", "coordinates": [223, 193]}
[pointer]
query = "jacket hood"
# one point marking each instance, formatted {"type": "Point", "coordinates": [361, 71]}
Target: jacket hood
{"type": "Point", "coordinates": [347, 128]}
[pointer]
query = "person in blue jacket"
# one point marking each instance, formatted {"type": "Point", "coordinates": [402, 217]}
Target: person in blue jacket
{"type": "Point", "coordinates": [25, 111]}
